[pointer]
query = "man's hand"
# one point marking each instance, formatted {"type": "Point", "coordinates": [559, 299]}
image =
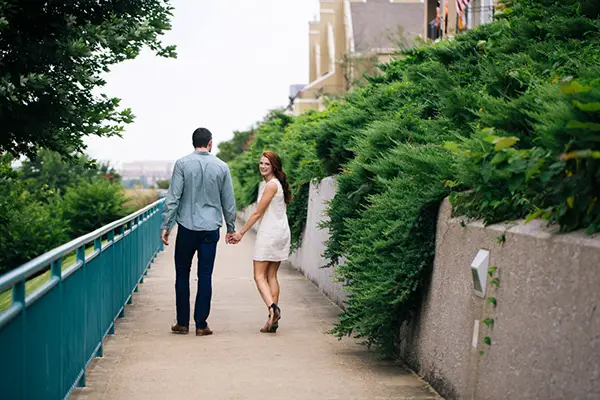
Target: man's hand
{"type": "Point", "coordinates": [236, 237]}
{"type": "Point", "coordinates": [164, 236]}
{"type": "Point", "coordinates": [228, 238]}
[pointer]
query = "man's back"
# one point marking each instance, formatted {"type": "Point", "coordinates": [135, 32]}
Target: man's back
{"type": "Point", "coordinates": [200, 193]}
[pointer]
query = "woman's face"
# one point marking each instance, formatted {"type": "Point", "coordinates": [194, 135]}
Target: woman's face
{"type": "Point", "coordinates": [265, 166]}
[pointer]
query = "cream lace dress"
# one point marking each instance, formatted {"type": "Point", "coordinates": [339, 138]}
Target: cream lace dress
{"type": "Point", "coordinates": [273, 237]}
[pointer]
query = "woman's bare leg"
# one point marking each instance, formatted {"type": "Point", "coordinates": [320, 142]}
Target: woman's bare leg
{"type": "Point", "coordinates": [260, 277]}
{"type": "Point", "coordinates": [272, 279]}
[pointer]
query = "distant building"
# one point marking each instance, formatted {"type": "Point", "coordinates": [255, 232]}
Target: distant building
{"type": "Point", "coordinates": [348, 39]}
{"type": "Point", "coordinates": [146, 173]}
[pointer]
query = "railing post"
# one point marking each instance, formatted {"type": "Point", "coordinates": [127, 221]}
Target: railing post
{"type": "Point", "coordinates": [161, 246]}
{"type": "Point", "coordinates": [80, 257]}
{"type": "Point", "coordinates": [56, 273]}
{"type": "Point", "coordinates": [18, 294]}
{"type": "Point", "coordinates": [18, 297]}
{"type": "Point", "coordinates": [81, 381]}
{"type": "Point", "coordinates": [80, 254]}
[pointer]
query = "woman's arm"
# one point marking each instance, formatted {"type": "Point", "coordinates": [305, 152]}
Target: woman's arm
{"type": "Point", "coordinates": [268, 194]}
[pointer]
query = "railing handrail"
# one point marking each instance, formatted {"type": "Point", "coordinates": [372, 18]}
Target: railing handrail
{"type": "Point", "coordinates": [31, 267]}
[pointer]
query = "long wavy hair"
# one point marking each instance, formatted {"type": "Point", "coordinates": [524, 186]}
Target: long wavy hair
{"type": "Point", "coordinates": [279, 174]}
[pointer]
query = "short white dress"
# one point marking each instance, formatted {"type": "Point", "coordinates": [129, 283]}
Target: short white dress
{"type": "Point", "coordinates": [273, 237]}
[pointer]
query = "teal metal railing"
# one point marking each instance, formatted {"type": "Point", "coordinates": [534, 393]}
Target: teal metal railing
{"type": "Point", "coordinates": [48, 337]}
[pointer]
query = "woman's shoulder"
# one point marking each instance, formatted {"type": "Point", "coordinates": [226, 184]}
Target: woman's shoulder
{"type": "Point", "coordinates": [273, 184]}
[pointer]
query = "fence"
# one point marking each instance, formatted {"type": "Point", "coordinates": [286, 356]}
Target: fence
{"type": "Point", "coordinates": [48, 337]}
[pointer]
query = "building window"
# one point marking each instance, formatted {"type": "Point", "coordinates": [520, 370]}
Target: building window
{"type": "Point", "coordinates": [487, 12]}
{"type": "Point", "coordinates": [318, 60]}
{"type": "Point", "coordinates": [331, 46]}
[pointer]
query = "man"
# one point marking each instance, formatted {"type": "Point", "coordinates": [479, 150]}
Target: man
{"type": "Point", "coordinates": [201, 192]}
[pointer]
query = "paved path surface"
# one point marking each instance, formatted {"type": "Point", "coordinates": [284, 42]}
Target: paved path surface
{"type": "Point", "coordinates": [145, 361]}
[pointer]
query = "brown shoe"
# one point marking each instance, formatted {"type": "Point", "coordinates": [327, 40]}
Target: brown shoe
{"type": "Point", "coordinates": [204, 332]}
{"type": "Point", "coordinates": [180, 330]}
{"type": "Point", "coordinates": [269, 329]}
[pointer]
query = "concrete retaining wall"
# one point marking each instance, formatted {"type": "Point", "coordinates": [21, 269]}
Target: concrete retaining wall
{"type": "Point", "coordinates": [308, 258]}
{"type": "Point", "coordinates": [546, 334]}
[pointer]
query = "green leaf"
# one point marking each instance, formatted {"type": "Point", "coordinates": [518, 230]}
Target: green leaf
{"type": "Point", "coordinates": [534, 215]}
{"type": "Point", "coordinates": [495, 282]}
{"type": "Point", "coordinates": [491, 138]}
{"type": "Point", "coordinates": [488, 322]}
{"type": "Point", "coordinates": [481, 353]}
{"type": "Point", "coordinates": [452, 146]}
{"type": "Point", "coordinates": [500, 239]}
{"type": "Point", "coordinates": [3, 23]}
{"type": "Point", "coordinates": [583, 125]}
{"type": "Point", "coordinates": [586, 106]}
{"type": "Point", "coordinates": [505, 142]}
{"type": "Point", "coordinates": [451, 184]}
{"type": "Point", "coordinates": [492, 270]}
{"type": "Point", "coordinates": [574, 87]}
{"type": "Point", "coordinates": [492, 300]}
{"type": "Point", "coordinates": [498, 158]}
{"type": "Point", "coordinates": [487, 340]}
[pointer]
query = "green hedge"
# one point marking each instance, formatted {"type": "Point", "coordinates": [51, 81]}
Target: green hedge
{"type": "Point", "coordinates": [50, 201]}
{"type": "Point", "coordinates": [504, 118]}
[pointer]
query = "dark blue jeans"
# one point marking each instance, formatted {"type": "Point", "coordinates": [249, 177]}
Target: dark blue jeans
{"type": "Point", "coordinates": [186, 245]}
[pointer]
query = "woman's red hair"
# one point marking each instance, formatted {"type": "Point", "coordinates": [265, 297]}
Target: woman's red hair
{"type": "Point", "coordinates": [279, 174]}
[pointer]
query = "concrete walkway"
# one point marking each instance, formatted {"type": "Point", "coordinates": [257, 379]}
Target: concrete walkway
{"type": "Point", "coordinates": [145, 361]}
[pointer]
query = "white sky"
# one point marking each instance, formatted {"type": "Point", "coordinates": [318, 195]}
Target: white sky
{"type": "Point", "coordinates": [236, 60]}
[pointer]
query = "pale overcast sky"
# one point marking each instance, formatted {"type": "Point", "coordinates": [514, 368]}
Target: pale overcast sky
{"type": "Point", "coordinates": [236, 60]}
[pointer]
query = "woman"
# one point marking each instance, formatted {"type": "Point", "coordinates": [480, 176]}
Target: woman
{"type": "Point", "coordinates": [273, 238]}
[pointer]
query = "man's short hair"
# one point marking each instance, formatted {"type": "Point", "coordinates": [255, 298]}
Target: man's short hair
{"type": "Point", "coordinates": [201, 137]}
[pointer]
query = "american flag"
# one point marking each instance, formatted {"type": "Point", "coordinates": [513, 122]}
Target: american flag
{"type": "Point", "coordinates": [461, 5]}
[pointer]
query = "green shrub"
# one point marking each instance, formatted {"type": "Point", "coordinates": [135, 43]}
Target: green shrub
{"type": "Point", "coordinates": [557, 179]}
{"type": "Point", "coordinates": [28, 228]}
{"type": "Point", "coordinates": [230, 149]}
{"type": "Point", "coordinates": [93, 204]}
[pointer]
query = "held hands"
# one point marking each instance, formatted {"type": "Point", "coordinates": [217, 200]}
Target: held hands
{"type": "Point", "coordinates": [233, 237]}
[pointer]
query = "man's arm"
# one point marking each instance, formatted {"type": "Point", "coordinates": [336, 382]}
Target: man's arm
{"type": "Point", "coordinates": [228, 201]}
{"type": "Point", "coordinates": [172, 201]}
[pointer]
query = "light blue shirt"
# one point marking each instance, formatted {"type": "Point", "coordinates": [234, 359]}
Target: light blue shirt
{"type": "Point", "coordinates": [201, 192]}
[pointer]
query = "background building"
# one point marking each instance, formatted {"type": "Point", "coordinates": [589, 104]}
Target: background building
{"type": "Point", "coordinates": [348, 40]}
{"type": "Point", "coordinates": [146, 173]}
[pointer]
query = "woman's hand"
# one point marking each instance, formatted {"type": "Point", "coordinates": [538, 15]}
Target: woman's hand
{"type": "Point", "coordinates": [235, 237]}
